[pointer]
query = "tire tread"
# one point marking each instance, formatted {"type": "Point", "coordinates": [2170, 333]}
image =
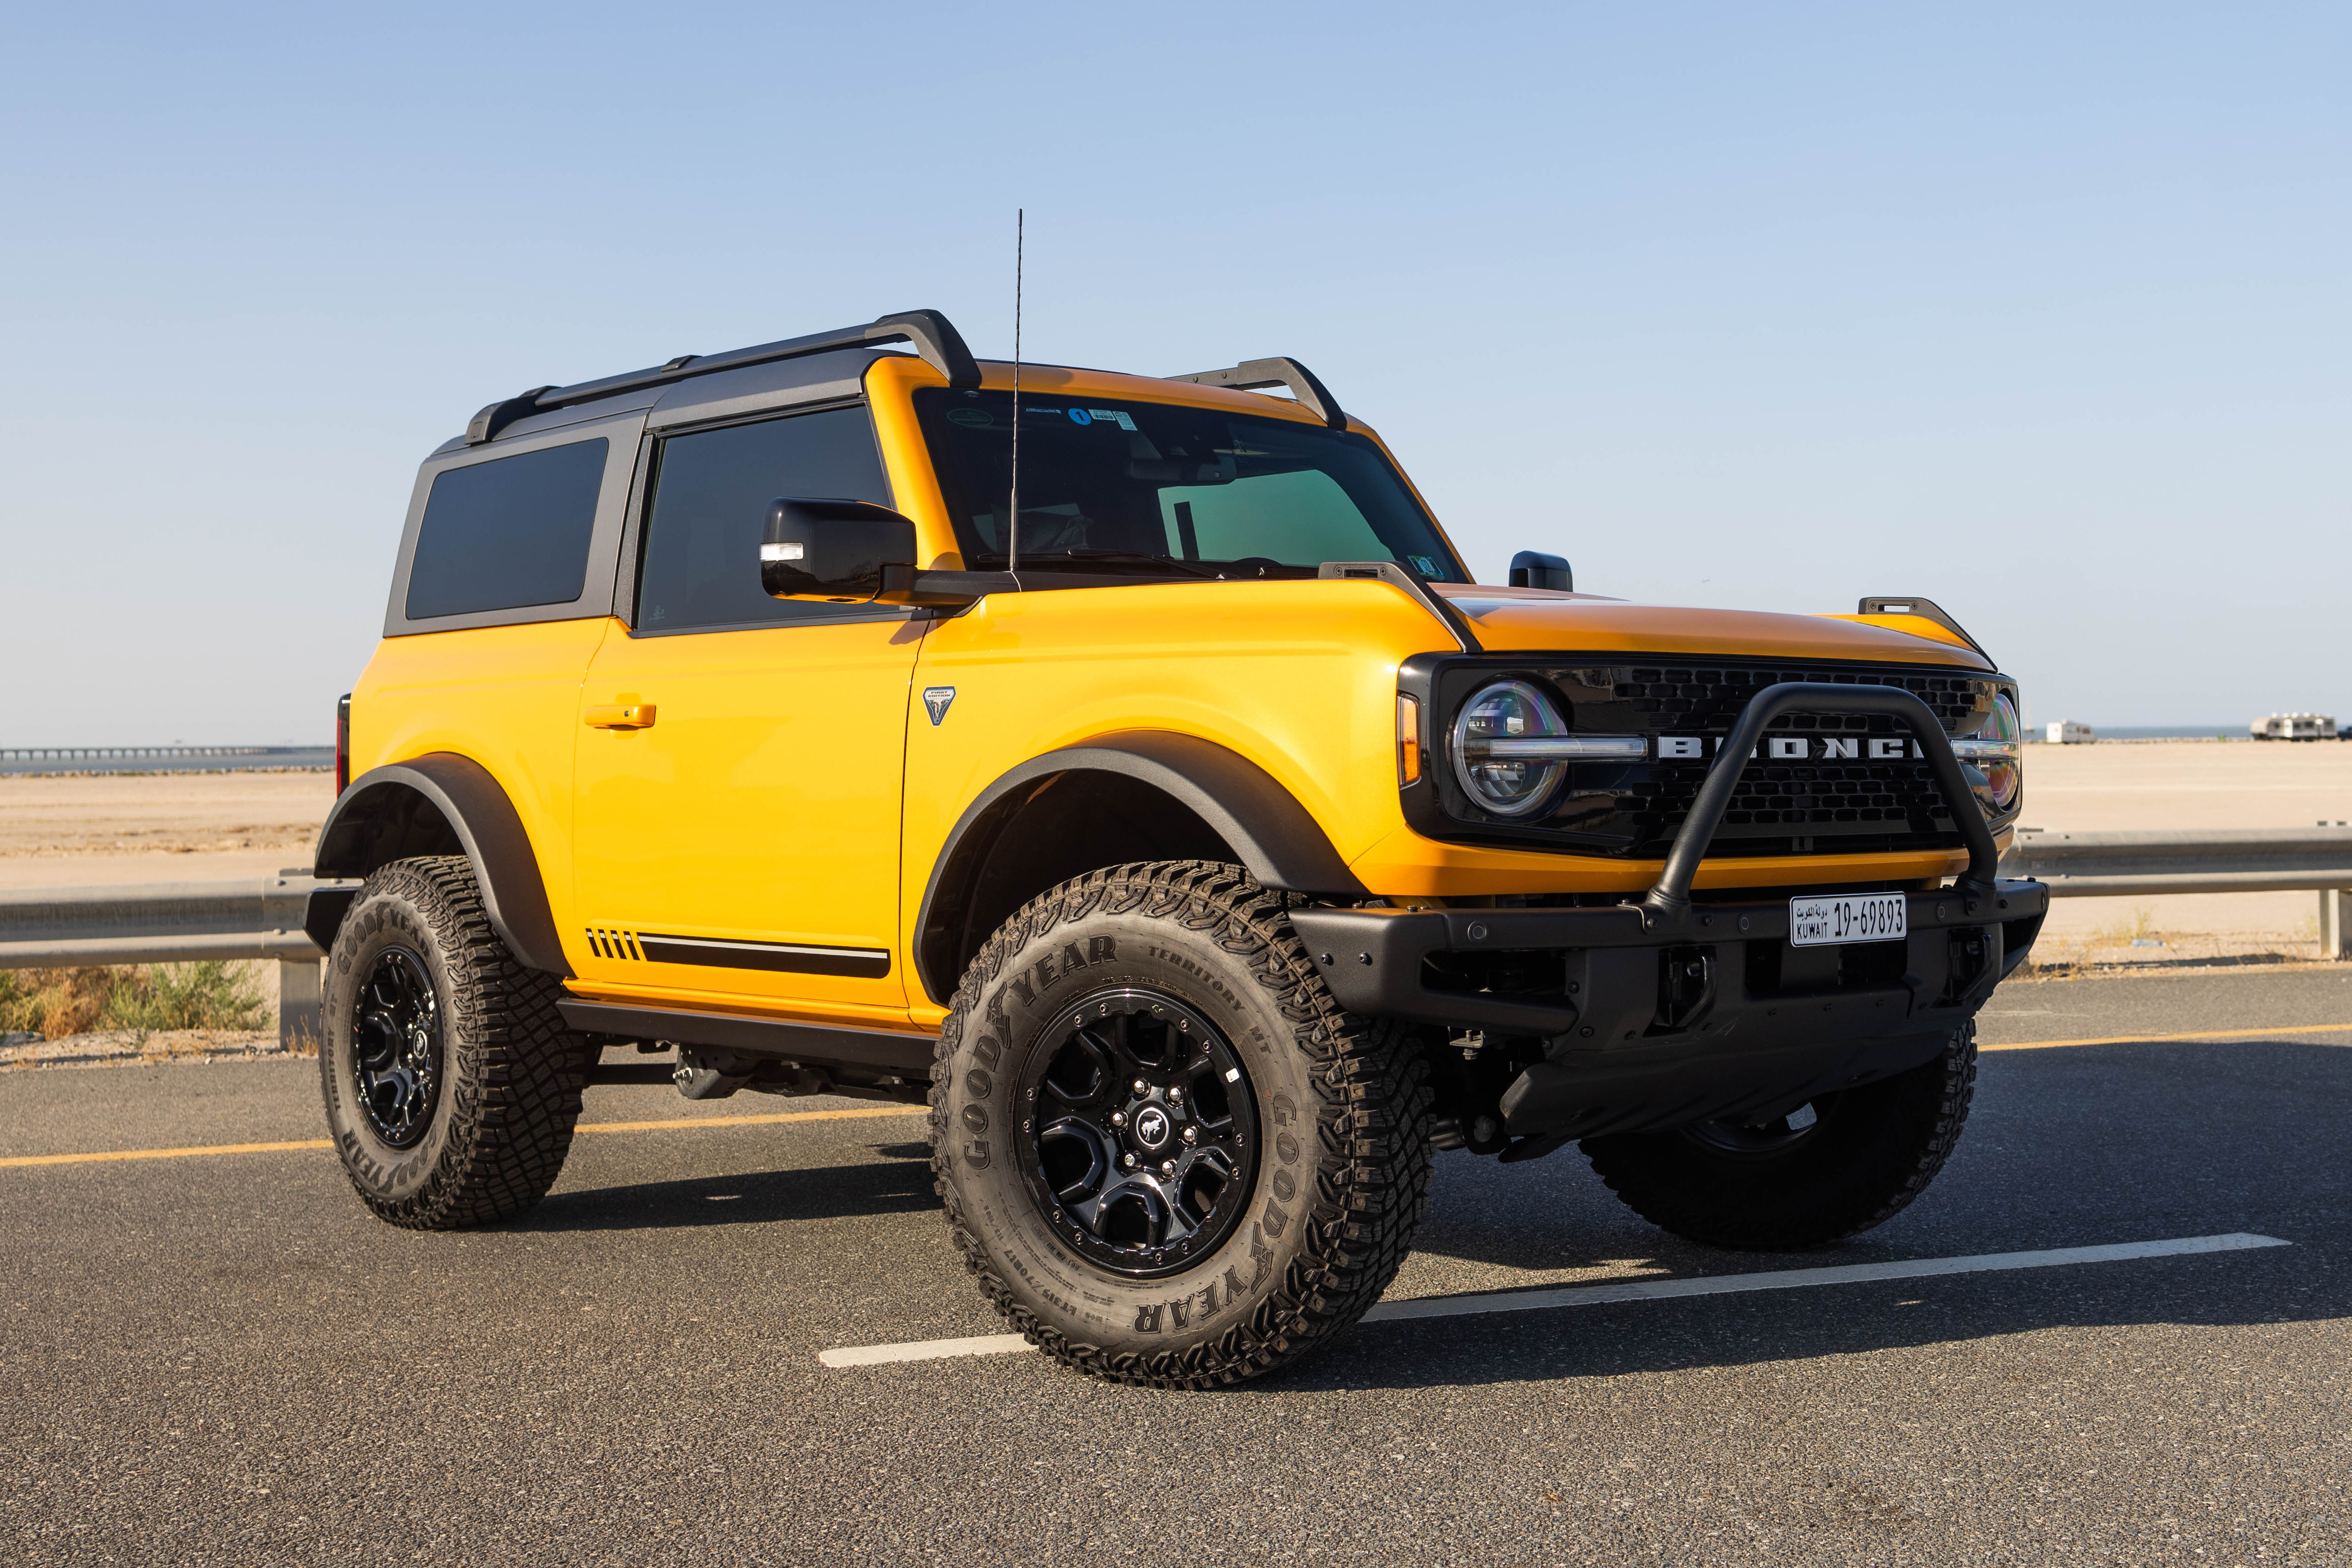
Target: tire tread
{"type": "Point", "coordinates": [1371, 1120]}
{"type": "Point", "coordinates": [507, 1141]}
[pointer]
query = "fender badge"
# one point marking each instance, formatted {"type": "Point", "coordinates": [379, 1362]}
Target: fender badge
{"type": "Point", "coordinates": [936, 698]}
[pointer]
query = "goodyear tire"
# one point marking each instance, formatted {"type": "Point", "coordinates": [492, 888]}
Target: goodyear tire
{"type": "Point", "coordinates": [1167, 1153]}
{"type": "Point", "coordinates": [451, 1082]}
{"type": "Point", "coordinates": [1858, 1158]}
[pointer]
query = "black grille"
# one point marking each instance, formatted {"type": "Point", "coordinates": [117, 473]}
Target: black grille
{"type": "Point", "coordinates": [1846, 802]}
{"type": "Point", "coordinates": [1651, 696]}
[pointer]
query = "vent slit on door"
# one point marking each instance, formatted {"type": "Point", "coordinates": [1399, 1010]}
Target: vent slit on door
{"type": "Point", "coordinates": [606, 942]}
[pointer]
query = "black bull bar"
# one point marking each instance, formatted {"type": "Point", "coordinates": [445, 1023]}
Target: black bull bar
{"type": "Point", "coordinates": [1672, 1010]}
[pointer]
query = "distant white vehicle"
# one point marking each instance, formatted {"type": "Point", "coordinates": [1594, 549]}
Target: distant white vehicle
{"type": "Point", "coordinates": [2066, 732]}
{"type": "Point", "coordinates": [2295, 727]}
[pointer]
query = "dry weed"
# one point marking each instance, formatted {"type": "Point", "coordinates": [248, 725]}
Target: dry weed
{"type": "Point", "coordinates": [2140, 927]}
{"type": "Point", "coordinates": [210, 994]}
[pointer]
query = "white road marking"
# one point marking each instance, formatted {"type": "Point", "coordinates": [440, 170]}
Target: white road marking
{"type": "Point", "coordinates": [1638, 1290]}
{"type": "Point", "coordinates": [924, 1350]}
{"type": "Point", "coordinates": [1797, 1279]}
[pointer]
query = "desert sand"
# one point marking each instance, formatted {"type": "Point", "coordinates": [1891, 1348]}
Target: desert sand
{"type": "Point", "coordinates": [157, 827]}
{"type": "Point", "coordinates": [193, 827]}
{"type": "Point", "coordinates": [2184, 786]}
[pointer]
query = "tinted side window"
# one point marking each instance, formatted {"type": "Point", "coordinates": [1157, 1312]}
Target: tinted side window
{"type": "Point", "coordinates": [508, 533]}
{"type": "Point", "coordinates": [701, 555]}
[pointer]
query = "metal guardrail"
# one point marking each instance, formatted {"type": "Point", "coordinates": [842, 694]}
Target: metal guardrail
{"type": "Point", "coordinates": [174, 922]}
{"type": "Point", "coordinates": [2253, 860]}
{"type": "Point", "coordinates": [2262, 860]}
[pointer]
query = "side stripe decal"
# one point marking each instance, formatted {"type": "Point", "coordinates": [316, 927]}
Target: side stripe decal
{"type": "Point", "coordinates": [708, 952]}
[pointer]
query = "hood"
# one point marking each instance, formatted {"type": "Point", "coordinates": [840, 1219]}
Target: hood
{"type": "Point", "coordinates": [1541, 619]}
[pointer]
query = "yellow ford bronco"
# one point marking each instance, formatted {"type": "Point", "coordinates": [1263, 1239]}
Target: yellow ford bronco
{"type": "Point", "coordinates": [1139, 775]}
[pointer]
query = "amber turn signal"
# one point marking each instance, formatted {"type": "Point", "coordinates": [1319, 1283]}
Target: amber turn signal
{"type": "Point", "coordinates": [1408, 739]}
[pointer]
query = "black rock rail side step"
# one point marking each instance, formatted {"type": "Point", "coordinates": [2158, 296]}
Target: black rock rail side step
{"type": "Point", "coordinates": [814, 1045]}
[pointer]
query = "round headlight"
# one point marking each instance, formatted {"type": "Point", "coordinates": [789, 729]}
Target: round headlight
{"type": "Point", "coordinates": [1990, 757]}
{"type": "Point", "coordinates": [2005, 778]}
{"type": "Point", "coordinates": [1498, 754]}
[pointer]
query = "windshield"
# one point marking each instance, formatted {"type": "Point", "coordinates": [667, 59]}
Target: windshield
{"type": "Point", "coordinates": [1161, 489]}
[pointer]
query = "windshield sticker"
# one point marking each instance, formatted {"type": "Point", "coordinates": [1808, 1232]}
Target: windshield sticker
{"type": "Point", "coordinates": [972, 418]}
{"type": "Point", "coordinates": [1423, 565]}
{"type": "Point", "coordinates": [1080, 417]}
{"type": "Point", "coordinates": [1110, 416]}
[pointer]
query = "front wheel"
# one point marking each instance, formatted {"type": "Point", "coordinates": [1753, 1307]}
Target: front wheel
{"type": "Point", "coordinates": [1168, 1154]}
{"type": "Point", "coordinates": [1837, 1166]}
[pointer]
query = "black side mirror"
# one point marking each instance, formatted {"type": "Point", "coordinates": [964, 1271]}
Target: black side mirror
{"type": "Point", "coordinates": [832, 550]}
{"type": "Point", "coordinates": [1531, 569]}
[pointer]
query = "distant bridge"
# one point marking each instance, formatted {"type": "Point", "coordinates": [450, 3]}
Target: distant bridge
{"type": "Point", "coordinates": [137, 758]}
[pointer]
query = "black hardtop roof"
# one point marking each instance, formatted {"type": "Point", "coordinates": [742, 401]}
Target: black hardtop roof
{"type": "Point", "coordinates": [933, 337]}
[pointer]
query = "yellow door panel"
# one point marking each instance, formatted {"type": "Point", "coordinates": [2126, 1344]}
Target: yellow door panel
{"type": "Point", "coordinates": [745, 838]}
{"type": "Point", "coordinates": [740, 758]}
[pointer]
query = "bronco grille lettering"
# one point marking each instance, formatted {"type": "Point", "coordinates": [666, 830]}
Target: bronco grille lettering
{"type": "Point", "coordinates": [1791, 747]}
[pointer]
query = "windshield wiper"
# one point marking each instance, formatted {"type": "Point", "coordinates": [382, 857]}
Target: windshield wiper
{"type": "Point", "coordinates": [1122, 557]}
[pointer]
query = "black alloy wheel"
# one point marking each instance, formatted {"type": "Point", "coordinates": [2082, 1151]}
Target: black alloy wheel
{"type": "Point", "coordinates": [1167, 1153]}
{"type": "Point", "coordinates": [1140, 1139]}
{"type": "Point", "coordinates": [396, 1044]}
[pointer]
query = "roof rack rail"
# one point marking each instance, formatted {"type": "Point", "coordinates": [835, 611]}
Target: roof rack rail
{"type": "Point", "coordinates": [933, 335]}
{"type": "Point", "coordinates": [1251, 374]}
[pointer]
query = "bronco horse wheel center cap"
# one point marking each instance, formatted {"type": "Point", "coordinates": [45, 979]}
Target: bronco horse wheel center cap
{"type": "Point", "coordinates": [1151, 1126]}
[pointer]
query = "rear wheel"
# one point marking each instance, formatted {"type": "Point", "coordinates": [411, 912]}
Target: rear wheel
{"type": "Point", "coordinates": [1833, 1167]}
{"type": "Point", "coordinates": [451, 1082]}
{"type": "Point", "coordinates": [1166, 1153]}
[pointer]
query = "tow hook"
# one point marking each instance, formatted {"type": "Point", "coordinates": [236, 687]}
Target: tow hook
{"type": "Point", "coordinates": [1685, 985]}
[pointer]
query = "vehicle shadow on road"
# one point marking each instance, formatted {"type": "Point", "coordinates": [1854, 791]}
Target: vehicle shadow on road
{"type": "Point", "coordinates": [1980, 1321]}
{"type": "Point", "coordinates": [2083, 1146]}
{"type": "Point", "coordinates": [1977, 1320]}
{"type": "Point", "coordinates": [2102, 1142]}
{"type": "Point", "coordinates": [897, 1185]}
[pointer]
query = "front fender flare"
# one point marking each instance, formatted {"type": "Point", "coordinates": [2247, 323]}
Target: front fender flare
{"type": "Point", "coordinates": [1280, 843]}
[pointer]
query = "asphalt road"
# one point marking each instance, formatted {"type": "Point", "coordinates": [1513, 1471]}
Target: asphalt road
{"type": "Point", "coordinates": [224, 1359]}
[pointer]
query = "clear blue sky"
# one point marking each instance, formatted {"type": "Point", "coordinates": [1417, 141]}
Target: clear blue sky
{"type": "Point", "coordinates": [2040, 311]}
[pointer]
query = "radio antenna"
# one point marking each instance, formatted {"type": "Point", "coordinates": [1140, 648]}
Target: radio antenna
{"type": "Point", "coordinates": [1012, 539]}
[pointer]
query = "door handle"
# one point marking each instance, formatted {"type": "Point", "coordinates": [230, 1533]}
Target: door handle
{"type": "Point", "coordinates": [621, 716]}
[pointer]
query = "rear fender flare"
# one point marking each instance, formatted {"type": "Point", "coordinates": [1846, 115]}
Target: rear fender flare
{"type": "Point", "coordinates": [385, 815]}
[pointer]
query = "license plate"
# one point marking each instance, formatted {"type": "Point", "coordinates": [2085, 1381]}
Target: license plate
{"type": "Point", "coordinates": [1850, 918]}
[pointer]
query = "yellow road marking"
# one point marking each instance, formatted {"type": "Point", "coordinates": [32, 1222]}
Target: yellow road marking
{"type": "Point", "coordinates": [165, 1153]}
{"type": "Point", "coordinates": [2160, 1039]}
{"type": "Point", "coordinates": [677, 1123]}
{"type": "Point", "coordinates": [683, 1123]}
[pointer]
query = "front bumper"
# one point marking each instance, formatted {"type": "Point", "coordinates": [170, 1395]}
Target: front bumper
{"type": "Point", "coordinates": [1650, 1018]}
{"type": "Point", "coordinates": [1669, 1011]}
